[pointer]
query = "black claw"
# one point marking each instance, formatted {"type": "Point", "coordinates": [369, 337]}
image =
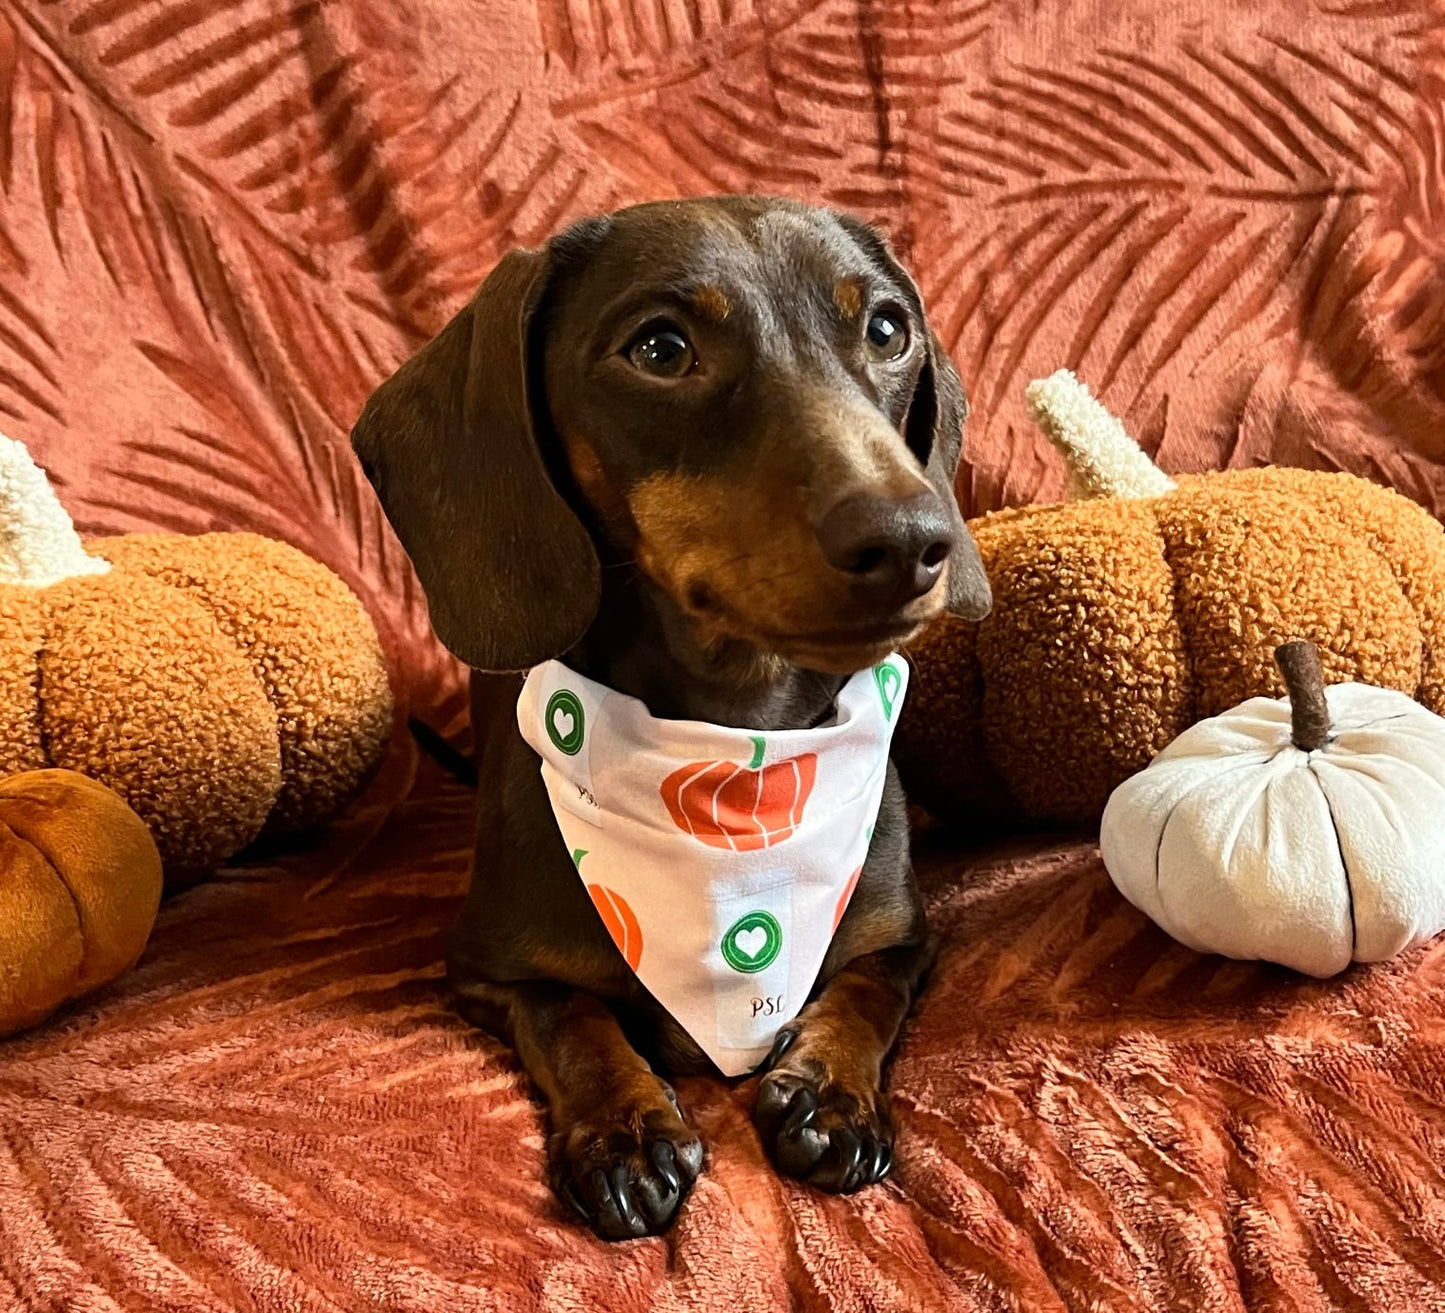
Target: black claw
{"type": "Point", "coordinates": [664, 1158]}
{"type": "Point", "coordinates": [574, 1201]}
{"type": "Point", "coordinates": [875, 1161]}
{"type": "Point", "coordinates": [652, 1202]}
{"type": "Point", "coordinates": [599, 1188]}
{"type": "Point", "coordinates": [802, 1108]}
{"type": "Point", "coordinates": [623, 1198]}
{"type": "Point", "coordinates": [887, 1163]}
{"type": "Point", "coordinates": [850, 1152]}
{"type": "Point", "coordinates": [609, 1220]}
{"type": "Point", "coordinates": [781, 1045]}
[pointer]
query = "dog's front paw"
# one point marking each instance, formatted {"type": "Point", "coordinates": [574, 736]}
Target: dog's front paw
{"type": "Point", "coordinates": [627, 1166]}
{"type": "Point", "coordinates": [824, 1127]}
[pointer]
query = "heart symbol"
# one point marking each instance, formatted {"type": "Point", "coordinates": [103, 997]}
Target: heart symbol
{"type": "Point", "coordinates": [751, 942]}
{"type": "Point", "coordinates": [564, 721]}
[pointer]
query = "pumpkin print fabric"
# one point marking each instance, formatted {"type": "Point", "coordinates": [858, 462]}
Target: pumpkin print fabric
{"type": "Point", "coordinates": [720, 861]}
{"type": "Point", "coordinates": [725, 805]}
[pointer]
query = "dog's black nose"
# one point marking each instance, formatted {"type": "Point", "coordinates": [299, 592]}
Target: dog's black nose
{"type": "Point", "coordinates": [895, 550]}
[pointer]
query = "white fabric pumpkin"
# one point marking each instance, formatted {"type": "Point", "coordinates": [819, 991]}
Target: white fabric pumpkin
{"type": "Point", "coordinates": [1237, 841]}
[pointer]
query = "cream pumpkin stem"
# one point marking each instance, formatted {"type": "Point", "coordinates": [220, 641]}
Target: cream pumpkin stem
{"type": "Point", "coordinates": [1101, 458]}
{"type": "Point", "coordinates": [1304, 680]}
{"type": "Point", "coordinates": [38, 542]}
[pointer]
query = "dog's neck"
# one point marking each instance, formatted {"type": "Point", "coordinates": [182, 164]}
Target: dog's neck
{"type": "Point", "coordinates": [642, 644]}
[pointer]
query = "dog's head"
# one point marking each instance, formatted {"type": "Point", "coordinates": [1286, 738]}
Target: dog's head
{"type": "Point", "coordinates": [741, 395]}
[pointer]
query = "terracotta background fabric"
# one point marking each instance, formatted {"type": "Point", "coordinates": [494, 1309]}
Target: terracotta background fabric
{"type": "Point", "coordinates": [222, 224]}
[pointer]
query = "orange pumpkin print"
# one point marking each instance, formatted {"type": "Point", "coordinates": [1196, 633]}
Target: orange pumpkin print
{"type": "Point", "coordinates": [725, 805]}
{"type": "Point", "coordinates": [845, 899]}
{"type": "Point", "coordinates": [621, 922]}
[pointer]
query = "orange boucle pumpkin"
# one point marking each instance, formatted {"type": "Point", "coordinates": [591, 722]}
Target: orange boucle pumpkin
{"type": "Point", "coordinates": [223, 685]}
{"type": "Point", "coordinates": [80, 880]}
{"type": "Point", "coordinates": [1121, 620]}
{"type": "Point", "coordinates": [310, 645]}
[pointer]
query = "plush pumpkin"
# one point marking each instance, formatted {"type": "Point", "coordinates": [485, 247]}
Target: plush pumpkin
{"type": "Point", "coordinates": [80, 880]}
{"type": "Point", "coordinates": [1122, 618]}
{"type": "Point", "coordinates": [223, 685]}
{"type": "Point", "coordinates": [725, 805]}
{"type": "Point", "coordinates": [1308, 831]}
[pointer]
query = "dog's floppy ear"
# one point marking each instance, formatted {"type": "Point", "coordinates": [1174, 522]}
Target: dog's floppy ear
{"type": "Point", "coordinates": [451, 444]}
{"type": "Point", "coordinates": [933, 430]}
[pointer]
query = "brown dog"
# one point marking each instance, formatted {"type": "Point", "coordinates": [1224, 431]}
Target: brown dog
{"type": "Point", "coordinates": [704, 451]}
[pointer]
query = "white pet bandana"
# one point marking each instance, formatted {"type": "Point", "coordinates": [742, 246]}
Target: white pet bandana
{"type": "Point", "coordinates": [720, 861]}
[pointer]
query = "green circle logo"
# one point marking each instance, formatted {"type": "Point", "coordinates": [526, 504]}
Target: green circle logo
{"type": "Point", "coordinates": [752, 942]}
{"type": "Point", "coordinates": [565, 721]}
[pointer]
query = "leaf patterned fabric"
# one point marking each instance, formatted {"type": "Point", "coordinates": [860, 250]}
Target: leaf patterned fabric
{"type": "Point", "coordinates": [222, 224]}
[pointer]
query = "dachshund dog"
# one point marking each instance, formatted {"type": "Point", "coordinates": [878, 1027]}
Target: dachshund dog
{"type": "Point", "coordinates": [704, 452]}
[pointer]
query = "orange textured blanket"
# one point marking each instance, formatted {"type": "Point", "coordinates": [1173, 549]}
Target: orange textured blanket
{"type": "Point", "coordinates": [276, 1111]}
{"type": "Point", "coordinates": [222, 224]}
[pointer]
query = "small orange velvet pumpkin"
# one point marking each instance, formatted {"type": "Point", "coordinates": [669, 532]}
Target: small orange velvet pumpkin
{"type": "Point", "coordinates": [80, 881]}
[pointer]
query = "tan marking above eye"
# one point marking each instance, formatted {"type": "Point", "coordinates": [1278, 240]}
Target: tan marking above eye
{"type": "Point", "coordinates": [711, 303]}
{"type": "Point", "coordinates": [848, 297]}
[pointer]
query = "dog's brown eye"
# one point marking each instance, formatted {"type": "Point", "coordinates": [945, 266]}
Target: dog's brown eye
{"type": "Point", "coordinates": [662, 352]}
{"type": "Point", "coordinates": [887, 336]}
